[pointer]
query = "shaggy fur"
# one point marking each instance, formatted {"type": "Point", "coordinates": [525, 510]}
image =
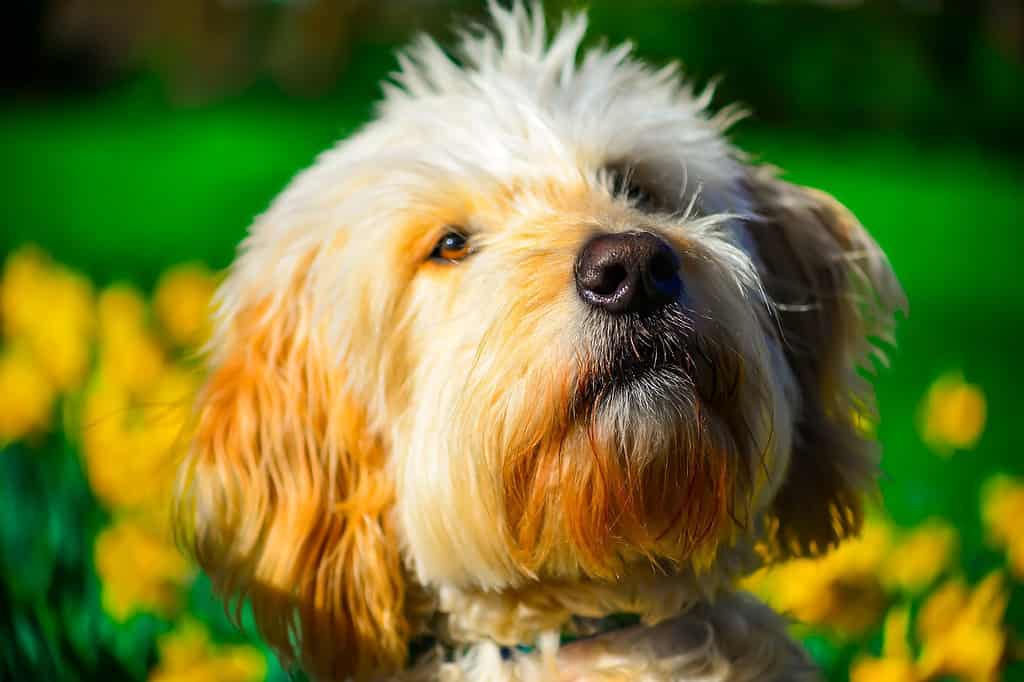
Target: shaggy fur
{"type": "Point", "coordinates": [392, 446]}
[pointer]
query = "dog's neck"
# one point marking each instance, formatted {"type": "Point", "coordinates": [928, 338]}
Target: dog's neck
{"type": "Point", "coordinates": [522, 615]}
{"type": "Point", "coordinates": [654, 625]}
{"type": "Point", "coordinates": [578, 631]}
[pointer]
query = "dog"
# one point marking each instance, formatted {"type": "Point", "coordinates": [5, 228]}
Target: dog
{"type": "Point", "coordinates": [518, 380]}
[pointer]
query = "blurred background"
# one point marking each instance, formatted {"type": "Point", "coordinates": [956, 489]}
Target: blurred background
{"type": "Point", "coordinates": [140, 139]}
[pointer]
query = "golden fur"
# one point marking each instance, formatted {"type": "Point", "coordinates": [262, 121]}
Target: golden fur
{"type": "Point", "coordinates": [389, 446]}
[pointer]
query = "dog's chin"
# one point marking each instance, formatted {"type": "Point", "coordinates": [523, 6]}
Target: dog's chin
{"type": "Point", "coordinates": [652, 367]}
{"type": "Point", "coordinates": [652, 464]}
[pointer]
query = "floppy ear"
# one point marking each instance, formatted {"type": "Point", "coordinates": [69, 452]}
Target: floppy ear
{"type": "Point", "coordinates": [835, 296]}
{"type": "Point", "coordinates": [284, 498]}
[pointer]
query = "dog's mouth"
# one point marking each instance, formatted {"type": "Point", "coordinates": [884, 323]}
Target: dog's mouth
{"type": "Point", "coordinates": [635, 355]}
{"type": "Point", "coordinates": [644, 361]}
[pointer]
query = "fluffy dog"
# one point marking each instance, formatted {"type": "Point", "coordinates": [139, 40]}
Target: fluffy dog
{"type": "Point", "coordinates": [516, 381]}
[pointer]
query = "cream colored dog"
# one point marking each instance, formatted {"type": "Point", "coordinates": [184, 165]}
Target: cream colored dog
{"type": "Point", "coordinates": [515, 382]}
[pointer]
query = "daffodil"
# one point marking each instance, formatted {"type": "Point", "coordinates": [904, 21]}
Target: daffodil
{"type": "Point", "coordinates": [883, 670]}
{"type": "Point", "coordinates": [961, 630]}
{"type": "Point", "coordinates": [26, 396]}
{"type": "Point", "coordinates": [25, 273]}
{"type": "Point", "coordinates": [49, 310]}
{"type": "Point", "coordinates": [952, 416]}
{"type": "Point", "coordinates": [840, 590]}
{"type": "Point", "coordinates": [848, 589]}
{"type": "Point", "coordinates": [130, 354]}
{"type": "Point", "coordinates": [1002, 508]}
{"type": "Point", "coordinates": [896, 664]}
{"type": "Point", "coordinates": [188, 655]}
{"type": "Point", "coordinates": [132, 444]}
{"type": "Point", "coordinates": [919, 557]}
{"type": "Point", "coordinates": [182, 304]}
{"type": "Point", "coordinates": [140, 568]}
{"type": "Point", "coordinates": [961, 635]}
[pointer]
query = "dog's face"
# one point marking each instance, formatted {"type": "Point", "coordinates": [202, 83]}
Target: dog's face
{"type": "Point", "coordinates": [590, 378]}
{"type": "Point", "coordinates": [537, 322]}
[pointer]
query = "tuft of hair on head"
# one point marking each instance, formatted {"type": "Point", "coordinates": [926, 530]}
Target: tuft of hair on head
{"type": "Point", "coordinates": [283, 498]}
{"type": "Point", "coordinates": [834, 296]}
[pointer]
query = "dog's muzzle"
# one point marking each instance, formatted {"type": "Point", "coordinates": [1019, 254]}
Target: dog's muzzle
{"type": "Point", "coordinates": [628, 272]}
{"type": "Point", "coordinates": [641, 339]}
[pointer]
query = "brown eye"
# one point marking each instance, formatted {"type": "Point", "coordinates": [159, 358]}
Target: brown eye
{"type": "Point", "coordinates": [633, 192]}
{"type": "Point", "coordinates": [452, 247]}
{"type": "Point", "coordinates": [626, 184]}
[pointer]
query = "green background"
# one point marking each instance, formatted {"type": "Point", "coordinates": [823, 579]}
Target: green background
{"type": "Point", "coordinates": [917, 132]}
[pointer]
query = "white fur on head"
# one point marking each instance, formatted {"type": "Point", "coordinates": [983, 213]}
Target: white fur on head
{"type": "Point", "coordinates": [517, 97]}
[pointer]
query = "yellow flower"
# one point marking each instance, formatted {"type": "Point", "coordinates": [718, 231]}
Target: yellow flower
{"type": "Point", "coordinates": [961, 630]}
{"type": "Point", "coordinates": [130, 355]}
{"type": "Point", "coordinates": [847, 589]}
{"type": "Point", "coordinates": [952, 415]}
{"type": "Point", "coordinates": [883, 670]}
{"type": "Point", "coordinates": [24, 273]}
{"type": "Point", "coordinates": [132, 444]}
{"type": "Point", "coordinates": [140, 568]}
{"type": "Point", "coordinates": [1002, 508]}
{"type": "Point", "coordinates": [920, 557]}
{"type": "Point", "coordinates": [840, 590]}
{"type": "Point", "coordinates": [896, 663]}
{"type": "Point", "coordinates": [26, 396]}
{"type": "Point", "coordinates": [188, 655]}
{"type": "Point", "coordinates": [184, 646]}
{"type": "Point", "coordinates": [50, 310]}
{"type": "Point", "coordinates": [182, 304]}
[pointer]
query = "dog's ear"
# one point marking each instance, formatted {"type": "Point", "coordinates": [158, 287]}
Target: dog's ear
{"type": "Point", "coordinates": [285, 501]}
{"type": "Point", "coordinates": [835, 296]}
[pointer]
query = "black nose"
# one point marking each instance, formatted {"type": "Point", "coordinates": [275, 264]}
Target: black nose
{"type": "Point", "coordinates": [628, 272]}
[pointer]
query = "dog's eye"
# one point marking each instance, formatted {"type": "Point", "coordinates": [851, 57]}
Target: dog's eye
{"type": "Point", "coordinates": [626, 185]}
{"type": "Point", "coordinates": [452, 247]}
{"type": "Point", "coordinates": [631, 191]}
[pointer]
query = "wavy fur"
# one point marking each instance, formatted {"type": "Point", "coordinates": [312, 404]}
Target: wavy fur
{"type": "Point", "coordinates": [389, 446]}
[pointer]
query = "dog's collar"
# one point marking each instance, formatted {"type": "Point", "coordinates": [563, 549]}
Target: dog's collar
{"type": "Point", "coordinates": [579, 628]}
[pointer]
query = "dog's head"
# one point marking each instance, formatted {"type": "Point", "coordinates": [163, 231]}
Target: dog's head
{"type": "Point", "coordinates": [538, 321]}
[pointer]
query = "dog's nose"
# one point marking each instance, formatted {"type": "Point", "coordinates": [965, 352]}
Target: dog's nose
{"type": "Point", "coordinates": [628, 272]}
